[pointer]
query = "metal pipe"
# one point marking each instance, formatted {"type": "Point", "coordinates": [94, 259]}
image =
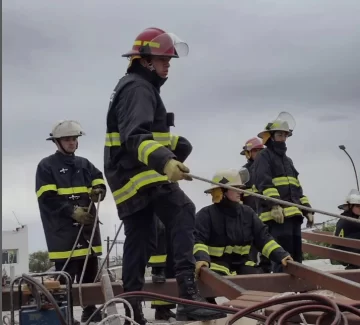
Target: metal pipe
{"type": "Point", "coordinates": [282, 202]}
{"type": "Point", "coordinates": [342, 147]}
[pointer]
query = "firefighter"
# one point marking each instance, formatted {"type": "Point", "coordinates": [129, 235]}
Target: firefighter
{"type": "Point", "coordinates": [275, 176]}
{"type": "Point", "coordinates": [226, 229]}
{"type": "Point", "coordinates": [65, 186]}
{"type": "Point", "coordinates": [142, 168]}
{"type": "Point", "coordinates": [348, 229]}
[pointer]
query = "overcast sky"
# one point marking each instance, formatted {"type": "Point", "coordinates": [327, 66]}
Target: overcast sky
{"type": "Point", "coordinates": [248, 61]}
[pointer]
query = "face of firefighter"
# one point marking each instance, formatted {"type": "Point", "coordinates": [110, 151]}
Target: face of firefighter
{"type": "Point", "coordinates": [280, 136]}
{"type": "Point", "coordinates": [254, 152]}
{"type": "Point", "coordinates": [356, 209]}
{"type": "Point", "coordinates": [161, 64]}
{"type": "Point", "coordinates": [233, 195]}
{"type": "Point", "coordinates": [68, 145]}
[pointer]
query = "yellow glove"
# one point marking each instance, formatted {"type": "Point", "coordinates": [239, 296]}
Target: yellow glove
{"type": "Point", "coordinates": [176, 171]}
{"type": "Point", "coordinates": [286, 259]}
{"type": "Point", "coordinates": [277, 214]}
{"type": "Point", "coordinates": [95, 192]}
{"type": "Point", "coordinates": [310, 219]}
{"type": "Point", "coordinates": [82, 216]}
{"type": "Point", "coordinates": [198, 267]}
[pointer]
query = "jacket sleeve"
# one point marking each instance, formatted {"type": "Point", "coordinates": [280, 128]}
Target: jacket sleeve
{"type": "Point", "coordinates": [135, 121]}
{"type": "Point", "coordinates": [265, 243]}
{"type": "Point", "coordinates": [181, 147]}
{"type": "Point", "coordinates": [97, 178]}
{"type": "Point", "coordinates": [50, 203]}
{"type": "Point", "coordinates": [262, 177]}
{"type": "Point", "coordinates": [202, 236]}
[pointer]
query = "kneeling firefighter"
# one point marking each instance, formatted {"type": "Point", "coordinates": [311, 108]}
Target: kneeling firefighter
{"type": "Point", "coordinates": [65, 186]}
{"type": "Point", "coordinates": [348, 229]}
{"type": "Point", "coordinates": [226, 229]}
{"type": "Point", "coordinates": [275, 176]}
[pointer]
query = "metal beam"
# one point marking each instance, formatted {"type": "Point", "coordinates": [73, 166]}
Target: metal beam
{"type": "Point", "coordinates": [92, 293]}
{"type": "Point", "coordinates": [328, 281]}
{"type": "Point", "coordinates": [331, 253]}
{"type": "Point", "coordinates": [331, 239]}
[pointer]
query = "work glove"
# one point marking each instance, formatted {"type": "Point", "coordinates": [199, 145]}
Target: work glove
{"type": "Point", "coordinates": [95, 192]}
{"type": "Point", "coordinates": [176, 171]}
{"type": "Point", "coordinates": [277, 214]}
{"type": "Point", "coordinates": [82, 216]}
{"type": "Point", "coordinates": [310, 219]}
{"type": "Point", "coordinates": [285, 260]}
{"type": "Point", "coordinates": [198, 267]}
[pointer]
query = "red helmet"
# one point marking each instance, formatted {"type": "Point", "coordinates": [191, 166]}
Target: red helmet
{"type": "Point", "coordinates": [155, 41]}
{"type": "Point", "coordinates": [253, 143]}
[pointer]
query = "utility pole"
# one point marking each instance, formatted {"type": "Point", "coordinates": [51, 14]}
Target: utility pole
{"type": "Point", "coordinates": [342, 147]}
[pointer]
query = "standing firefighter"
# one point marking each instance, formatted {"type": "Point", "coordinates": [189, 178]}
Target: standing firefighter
{"type": "Point", "coordinates": [348, 229]}
{"type": "Point", "coordinates": [275, 176]}
{"type": "Point", "coordinates": [226, 229]}
{"type": "Point", "coordinates": [142, 168]}
{"type": "Point", "coordinates": [65, 186]}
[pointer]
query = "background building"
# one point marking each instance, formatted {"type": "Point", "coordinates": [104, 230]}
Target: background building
{"type": "Point", "coordinates": [15, 250]}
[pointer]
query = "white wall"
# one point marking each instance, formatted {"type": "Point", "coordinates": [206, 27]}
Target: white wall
{"type": "Point", "coordinates": [16, 240]}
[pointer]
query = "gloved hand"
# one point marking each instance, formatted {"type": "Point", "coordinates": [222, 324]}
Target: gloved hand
{"type": "Point", "coordinates": [95, 192]}
{"type": "Point", "coordinates": [310, 219]}
{"type": "Point", "coordinates": [277, 214]}
{"type": "Point", "coordinates": [82, 216]}
{"type": "Point", "coordinates": [198, 266]}
{"type": "Point", "coordinates": [286, 259]}
{"type": "Point", "coordinates": [176, 171]}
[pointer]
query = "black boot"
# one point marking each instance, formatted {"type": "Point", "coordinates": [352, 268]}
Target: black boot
{"type": "Point", "coordinates": [164, 313]}
{"type": "Point", "coordinates": [137, 309]}
{"type": "Point", "coordinates": [158, 274]}
{"type": "Point", "coordinates": [87, 312]}
{"type": "Point", "coordinates": [188, 290]}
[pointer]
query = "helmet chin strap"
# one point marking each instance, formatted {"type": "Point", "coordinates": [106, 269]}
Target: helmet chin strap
{"type": "Point", "coordinates": [56, 141]}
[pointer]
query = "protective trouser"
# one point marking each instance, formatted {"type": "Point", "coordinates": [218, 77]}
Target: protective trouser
{"type": "Point", "coordinates": [177, 213]}
{"type": "Point", "coordinates": [288, 236]}
{"type": "Point", "coordinates": [161, 261]}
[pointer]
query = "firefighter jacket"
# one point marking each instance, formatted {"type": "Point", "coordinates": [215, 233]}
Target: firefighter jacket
{"type": "Point", "coordinates": [275, 176]}
{"type": "Point", "coordinates": [138, 141]}
{"type": "Point", "coordinates": [63, 182]}
{"type": "Point", "coordinates": [224, 233]}
{"type": "Point", "coordinates": [249, 200]}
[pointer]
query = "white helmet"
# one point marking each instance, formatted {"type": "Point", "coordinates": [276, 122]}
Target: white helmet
{"type": "Point", "coordinates": [352, 198]}
{"type": "Point", "coordinates": [231, 177]}
{"type": "Point", "coordinates": [66, 128]}
{"type": "Point", "coordinates": [284, 122]}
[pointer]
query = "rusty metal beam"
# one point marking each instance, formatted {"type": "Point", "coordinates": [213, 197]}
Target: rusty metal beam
{"type": "Point", "coordinates": [331, 253]}
{"type": "Point", "coordinates": [328, 281]}
{"type": "Point", "coordinates": [331, 239]}
{"type": "Point", "coordinates": [92, 293]}
{"type": "Point", "coordinates": [221, 285]}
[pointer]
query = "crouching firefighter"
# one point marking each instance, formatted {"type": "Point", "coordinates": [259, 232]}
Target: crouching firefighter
{"type": "Point", "coordinates": [226, 229]}
{"type": "Point", "coordinates": [142, 170]}
{"type": "Point", "coordinates": [275, 176]}
{"type": "Point", "coordinates": [250, 150]}
{"type": "Point", "coordinates": [65, 186]}
{"type": "Point", "coordinates": [348, 229]}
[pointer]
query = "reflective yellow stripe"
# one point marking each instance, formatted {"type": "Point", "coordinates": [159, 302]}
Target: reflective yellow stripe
{"type": "Point", "coordinates": [269, 247]}
{"type": "Point", "coordinates": [285, 180]}
{"type": "Point", "coordinates": [135, 183]}
{"type": "Point", "coordinates": [341, 233]}
{"type": "Point", "coordinates": [156, 259]}
{"type": "Point", "coordinates": [112, 139]}
{"type": "Point", "coordinates": [174, 139]}
{"type": "Point", "coordinates": [151, 44]}
{"type": "Point", "coordinates": [271, 192]}
{"type": "Point", "coordinates": [250, 263]}
{"type": "Point", "coordinates": [216, 251]}
{"type": "Point", "coordinates": [97, 181]}
{"type": "Point", "coordinates": [229, 249]}
{"type": "Point", "coordinates": [254, 189]}
{"type": "Point", "coordinates": [162, 137]}
{"type": "Point", "coordinates": [73, 190]}
{"type": "Point", "coordinates": [288, 212]}
{"type": "Point", "coordinates": [161, 303]}
{"type": "Point", "coordinates": [242, 250]}
{"type": "Point", "coordinates": [304, 200]}
{"type": "Point", "coordinates": [220, 268]}
{"type": "Point", "coordinates": [46, 188]}
{"type": "Point", "coordinates": [200, 247]}
{"type": "Point", "coordinates": [146, 148]}
{"type": "Point", "coordinates": [76, 253]}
